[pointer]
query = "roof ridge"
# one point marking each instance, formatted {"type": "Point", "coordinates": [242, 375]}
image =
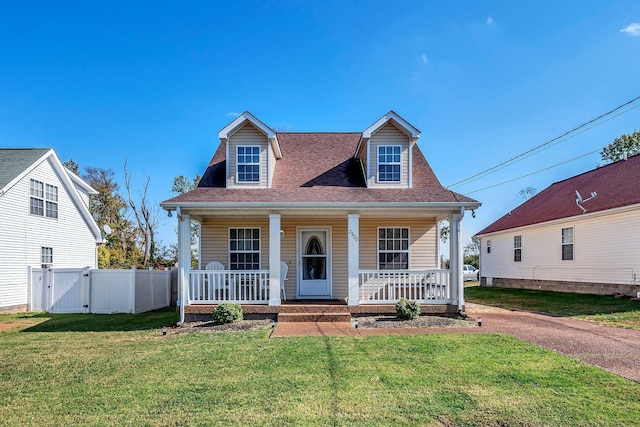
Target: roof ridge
{"type": "Point", "coordinates": [597, 168]}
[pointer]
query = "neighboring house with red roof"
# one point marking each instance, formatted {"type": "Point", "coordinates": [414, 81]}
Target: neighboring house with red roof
{"type": "Point", "coordinates": [578, 235]}
{"type": "Point", "coordinates": [44, 220]}
{"type": "Point", "coordinates": [350, 216]}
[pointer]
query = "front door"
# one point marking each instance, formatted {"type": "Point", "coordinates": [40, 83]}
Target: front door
{"type": "Point", "coordinates": [314, 263]}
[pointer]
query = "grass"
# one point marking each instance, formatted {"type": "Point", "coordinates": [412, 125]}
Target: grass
{"type": "Point", "coordinates": [603, 309]}
{"type": "Point", "coordinates": [120, 370]}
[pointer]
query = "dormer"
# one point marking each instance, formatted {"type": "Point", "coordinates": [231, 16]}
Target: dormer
{"type": "Point", "coordinates": [385, 152]}
{"type": "Point", "coordinates": [252, 149]}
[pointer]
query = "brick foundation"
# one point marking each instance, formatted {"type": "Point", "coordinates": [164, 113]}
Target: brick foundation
{"type": "Point", "coordinates": [561, 286]}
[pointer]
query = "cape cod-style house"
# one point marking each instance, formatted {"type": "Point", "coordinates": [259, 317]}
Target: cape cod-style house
{"type": "Point", "coordinates": [44, 220]}
{"type": "Point", "coordinates": [580, 235]}
{"type": "Point", "coordinates": [350, 217]}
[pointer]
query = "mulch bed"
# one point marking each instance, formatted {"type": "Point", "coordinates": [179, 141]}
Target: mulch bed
{"type": "Point", "coordinates": [367, 322]}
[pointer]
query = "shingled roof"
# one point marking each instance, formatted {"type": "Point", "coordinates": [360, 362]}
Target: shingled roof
{"type": "Point", "coordinates": [319, 168]}
{"type": "Point", "coordinates": [14, 161]}
{"type": "Point", "coordinates": [616, 186]}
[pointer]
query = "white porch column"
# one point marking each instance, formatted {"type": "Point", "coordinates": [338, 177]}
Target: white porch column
{"type": "Point", "coordinates": [184, 260]}
{"type": "Point", "coordinates": [456, 258]}
{"type": "Point", "coordinates": [353, 257]}
{"type": "Point", "coordinates": [274, 259]}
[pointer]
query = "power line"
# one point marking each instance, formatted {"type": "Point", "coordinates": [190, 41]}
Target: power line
{"type": "Point", "coordinates": [533, 173]}
{"type": "Point", "coordinates": [457, 184]}
{"type": "Point", "coordinates": [498, 168]}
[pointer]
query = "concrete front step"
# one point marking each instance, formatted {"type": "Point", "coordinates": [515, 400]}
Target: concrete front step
{"type": "Point", "coordinates": [314, 317]}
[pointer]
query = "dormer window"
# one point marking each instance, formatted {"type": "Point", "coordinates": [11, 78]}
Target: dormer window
{"type": "Point", "coordinates": [248, 163]}
{"type": "Point", "coordinates": [389, 163]}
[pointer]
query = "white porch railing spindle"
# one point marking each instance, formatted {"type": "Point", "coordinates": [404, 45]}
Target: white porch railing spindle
{"type": "Point", "coordinates": [388, 286]}
{"type": "Point", "coordinates": [219, 286]}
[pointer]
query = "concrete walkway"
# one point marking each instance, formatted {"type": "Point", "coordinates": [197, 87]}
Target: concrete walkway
{"type": "Point", "coordinates": [614, 349]}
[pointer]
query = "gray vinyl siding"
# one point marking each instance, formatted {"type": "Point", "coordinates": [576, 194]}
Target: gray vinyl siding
{"type": "Point", "coordinates": [248, 135]}
{"type": "Point", "coordinates": [389, 135]}
{"type": "Point", "coordinates": [22, 236]}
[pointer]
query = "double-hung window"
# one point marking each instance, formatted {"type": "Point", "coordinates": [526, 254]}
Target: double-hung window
{"type": "Point", "coordinates": [51, 201]}
{"type": "Point", "coordinates": [393, 248]}
{"type": "Point", "coordinates": [244, 248]}
{"type": "Point", "coordinates": [517, 248]}
{"type": "Point", "coordinates": [36, 202]}
{"type": "Point", "coordinates": [389, 163]}
{"type": "Point", "coordinates": [248, 163]}
{"type": "Point", "coordinates": [41, 202]}
{"type": "Point", "coordinates": [46, 256]}
{"type": "Point", "coordinates": [567, 244]}
{"type": "Point", "coordinates": [488, 246]}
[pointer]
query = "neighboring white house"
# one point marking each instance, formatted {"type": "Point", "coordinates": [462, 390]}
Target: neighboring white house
{"type": "Point", "coordinates": [578, 235]}
{"type": "Point", "coordinates": [44, 220]}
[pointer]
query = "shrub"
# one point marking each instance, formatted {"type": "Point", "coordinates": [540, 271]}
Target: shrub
{"type": "Point", "coordinates": [406, 309]}
{"type": "Point", "coordinates": [227, 313]}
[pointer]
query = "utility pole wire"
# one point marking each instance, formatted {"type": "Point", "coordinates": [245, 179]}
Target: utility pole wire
{"type": "Point", "coordinates": [538, 171]}
{"type": "Point", "coordinates": [546, 143]}
{"type": "Point", "coordinates": [497, 168]}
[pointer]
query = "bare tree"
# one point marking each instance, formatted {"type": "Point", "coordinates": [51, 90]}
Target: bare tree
{"type": "Point", "coordinates": [146, 221]}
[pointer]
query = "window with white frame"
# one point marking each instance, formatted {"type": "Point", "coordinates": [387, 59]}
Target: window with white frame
{"type": "Point", "coordinates": [51, 201]}
{"type": "Point", "coordinates": [389, 163]}
{"type": "Point", "coordinates": [244, 248]}
{"type": "Point", "coordinates": [41, 202]}
{"type": "Point", "coordinates": [488, 246]}
{"type": "Point", "coordinates": [46, 256]}
{"type": "Point", "coordinates": [248, 163]}
{"type": "Point", "coordinates": [567, 244]}
{"type": "Point", "coordinates": [517, 248]}
{"type": "Point", "coordinates": [393, 248]}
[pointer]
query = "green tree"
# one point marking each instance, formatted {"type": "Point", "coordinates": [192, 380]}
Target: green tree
{"type": "Point", "coordinates": [621, 148]}
{"type": "Point", "coordinates": [110, 209]}
{"type": "Point", "coordinates": [472, 252]}
{"type": "Point", "coordinates": [72, 166]}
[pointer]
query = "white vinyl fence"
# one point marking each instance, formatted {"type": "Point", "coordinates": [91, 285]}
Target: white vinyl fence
{"type": "Point", "coordinates": [82, 290]}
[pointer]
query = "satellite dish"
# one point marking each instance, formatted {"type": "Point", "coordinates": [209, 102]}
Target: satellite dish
{"type": "Point", "coordinates": [107, 229]}
{"type": "Point", "coordinates": [579, 197]}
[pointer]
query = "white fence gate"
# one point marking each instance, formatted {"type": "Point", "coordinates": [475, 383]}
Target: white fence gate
{"type": "Point", "coordinates": [82, 290]}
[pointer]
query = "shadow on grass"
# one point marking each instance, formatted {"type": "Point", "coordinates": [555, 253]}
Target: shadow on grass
{"type": "Point", "coordinates": [102, 322]}
{"type": "Point", "coordinates": [554, 303]}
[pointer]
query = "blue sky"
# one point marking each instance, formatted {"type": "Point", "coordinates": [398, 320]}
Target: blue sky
{"type": "Point", "coordinates": [483, 80]}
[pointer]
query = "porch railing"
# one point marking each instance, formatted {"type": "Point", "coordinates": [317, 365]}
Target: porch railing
{"type": "Point", "coordinates": [219, 286]}
{"type": "Point", "coordinates": [388, 286]}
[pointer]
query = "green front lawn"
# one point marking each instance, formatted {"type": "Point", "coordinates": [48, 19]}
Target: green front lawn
{"type": "Point", "coordinates": [120, 370]}
{"type": "Point", "coordinates": [599, 308]}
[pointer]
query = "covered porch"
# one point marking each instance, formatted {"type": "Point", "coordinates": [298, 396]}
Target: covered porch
{"type": "Point", "coordinates": [343, 263]}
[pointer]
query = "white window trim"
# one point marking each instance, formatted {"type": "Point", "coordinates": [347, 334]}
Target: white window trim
{"type": "Point", "coordinates": [517, 247]}
{"type": "Point", "coordinates": [244, 251]}
{"type": "Point", "coordinates": [563, 244]}
{"type": "Point", "coordinates": [44, 199]}
{"type": "Point", "coordinates": [237, 177]}
{"type": "Point", "coordinates": [489, 246]}
{"type": "Point", "coordinates": [49, 262]}
{"type": "Point", "coordinates": [378, 164]}
{"type": "Point", "coordinates": [408, 251]}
